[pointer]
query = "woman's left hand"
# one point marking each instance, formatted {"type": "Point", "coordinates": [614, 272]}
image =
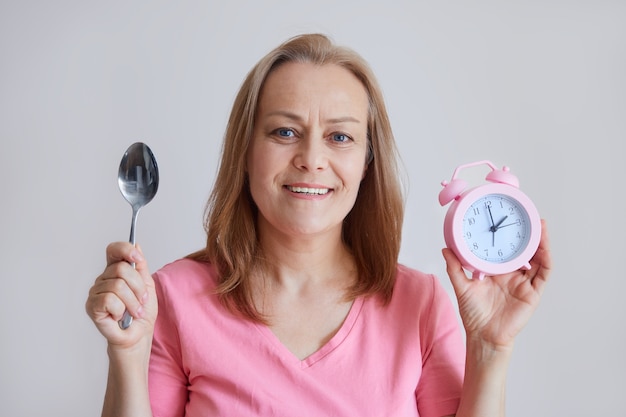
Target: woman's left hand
{"type": "Point", "coordinates": [494, 310]}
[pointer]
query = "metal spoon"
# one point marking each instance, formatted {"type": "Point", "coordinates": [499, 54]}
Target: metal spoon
{"type": "Point", "coordinates": [138, 179]}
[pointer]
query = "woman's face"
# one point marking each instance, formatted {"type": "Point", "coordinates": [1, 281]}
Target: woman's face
{"type": "Point", "coordinates": [307, 155]}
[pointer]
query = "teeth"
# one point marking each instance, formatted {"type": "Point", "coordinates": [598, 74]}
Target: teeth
{"type": "Point", "coordinates": [305, 190]}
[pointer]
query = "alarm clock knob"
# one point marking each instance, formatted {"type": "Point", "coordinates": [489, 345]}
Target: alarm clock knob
{"type": "Point", "coordinates": [503, 176]}
{"type": "Point", "coordinates": [451, 190]}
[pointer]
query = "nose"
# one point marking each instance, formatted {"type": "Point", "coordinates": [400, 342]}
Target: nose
{"type": "Point", "coordinates": [311, 154]}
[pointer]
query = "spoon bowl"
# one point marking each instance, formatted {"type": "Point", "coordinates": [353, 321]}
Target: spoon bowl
{"type": "Point", "coordinates": [138, 180]}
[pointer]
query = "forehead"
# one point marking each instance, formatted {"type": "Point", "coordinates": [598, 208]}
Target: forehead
{"type": "Point", "coordinates": [301, 85]}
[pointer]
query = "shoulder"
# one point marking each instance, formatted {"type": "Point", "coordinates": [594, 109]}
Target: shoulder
{"type": "Point", "coordinates": [418, 292]}
{"type": "Point", "coordinates": [187, 288]}
{"type": "Point", "coordinates": [412, 280]}
{"type": "Point", "coordinates": [185, 267]}
{"type": "Point", "coordinates": [185, 275]}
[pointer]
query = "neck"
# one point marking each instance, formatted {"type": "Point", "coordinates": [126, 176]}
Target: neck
{"type": "Point", "coordinates": [305, 261]}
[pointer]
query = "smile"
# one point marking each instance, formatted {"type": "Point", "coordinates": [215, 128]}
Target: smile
{"type": "Point", "coordinates": [305, 190]}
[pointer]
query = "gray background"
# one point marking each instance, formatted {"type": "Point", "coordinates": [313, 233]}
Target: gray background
{"type": "Point", "coordinates": [536, 85]}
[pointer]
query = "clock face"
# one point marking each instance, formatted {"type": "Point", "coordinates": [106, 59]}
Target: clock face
{"type": "Point", "coordinates": [496, 228]}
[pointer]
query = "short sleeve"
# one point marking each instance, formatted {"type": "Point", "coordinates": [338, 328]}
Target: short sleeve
{"type": "Point", "coordinates": [167, 380]}
{"type": "Point", "coordinates": [443, 358]}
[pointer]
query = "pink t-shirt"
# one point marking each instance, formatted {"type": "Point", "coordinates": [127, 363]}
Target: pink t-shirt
{"type": "Point", "coordinates": [404, 359]}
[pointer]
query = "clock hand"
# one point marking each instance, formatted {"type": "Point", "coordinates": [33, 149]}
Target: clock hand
{"type": "Point", "coordinates": [492, 229]}
{"type": "Point", "coordinates": [509, 224]}
{"type": "Point", "coordinates": [490, 217]}
{"type": "Point", "coordinates": [497, 226]}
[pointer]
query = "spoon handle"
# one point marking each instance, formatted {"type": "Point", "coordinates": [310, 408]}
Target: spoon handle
{"type": "Point", "coordinates": [127, 319]}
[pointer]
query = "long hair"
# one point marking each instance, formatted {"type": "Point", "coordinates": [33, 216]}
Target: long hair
{"type": "Point", "coordinates": [372, 229]}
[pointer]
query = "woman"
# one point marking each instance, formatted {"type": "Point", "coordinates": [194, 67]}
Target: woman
{"type": "Point", "coordinates": [297, 305]}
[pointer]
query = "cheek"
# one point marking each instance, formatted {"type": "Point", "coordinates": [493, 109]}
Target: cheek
{"type": "Point", "coordinates": [352, 178]}
{"type": "Point", "coordinates": [263, 165]}
{"type": "Point", "coordinates": [255, 161]}
{"type": "Point", "coordinates": [364, 171]}
{"type": "Point", "coordinates": [353, 169]}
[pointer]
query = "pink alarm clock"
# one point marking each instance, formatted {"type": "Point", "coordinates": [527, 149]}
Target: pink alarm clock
{"type": "Point", "coordinates": [493, 228]}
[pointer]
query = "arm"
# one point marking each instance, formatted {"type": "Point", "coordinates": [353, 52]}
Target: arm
{"type": "Point", "coordinates": [121, 286]}
{"type": "Point", "coordinates": [127, 384]}
{"type": "Point", "coordinates": [494, 311]}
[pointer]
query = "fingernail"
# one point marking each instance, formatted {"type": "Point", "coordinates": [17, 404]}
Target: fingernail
{"type": "Point", "coordinates": [140, 312]}
{"type": "Point", "coordinates": [136, 256]}
{"type": "Point", "coordinates": [144, 298]}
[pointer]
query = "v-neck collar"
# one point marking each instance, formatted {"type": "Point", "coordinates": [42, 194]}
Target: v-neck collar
{"type": "Point", "coordinates": [327, 348]}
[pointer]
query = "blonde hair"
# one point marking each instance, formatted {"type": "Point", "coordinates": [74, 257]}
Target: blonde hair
{"type": "Point", "coordinates": [372, 229]}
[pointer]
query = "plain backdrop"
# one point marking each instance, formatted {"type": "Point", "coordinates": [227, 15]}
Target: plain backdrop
{"type": "Point", "coordinates": [539, 86]}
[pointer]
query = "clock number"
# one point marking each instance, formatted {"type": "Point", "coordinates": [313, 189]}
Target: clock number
{"type": "Point", "coordinates": [500, 252]}
{"type": "Point", "coordinates": [476, 211]}
{"type": "Point", "coordinates": [468, 235]}
{"type": "Point", "coordinates": [475, 246]}
{"type": "Point", "coordinates": [471, 221]}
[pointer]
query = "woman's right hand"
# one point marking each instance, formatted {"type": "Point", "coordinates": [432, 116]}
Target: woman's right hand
{"type": "Point", "coordinates": [122, 287]}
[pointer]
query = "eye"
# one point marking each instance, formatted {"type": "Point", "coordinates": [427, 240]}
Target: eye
{"type": "Point", "coordinates": [340, 137]}
{"type": "Point", "coordinates": [284, 132]}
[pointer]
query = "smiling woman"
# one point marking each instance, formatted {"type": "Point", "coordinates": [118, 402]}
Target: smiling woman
{"type": "Point", "coordinates": [231, 226]}
{"type": "Point", "coordinates": [319, 144]}
{"type": "Point", "coordinates": [297, 305]}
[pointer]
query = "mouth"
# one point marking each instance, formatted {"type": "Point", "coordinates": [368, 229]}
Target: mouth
{"type": "Point", "coordinates": [308, 190]}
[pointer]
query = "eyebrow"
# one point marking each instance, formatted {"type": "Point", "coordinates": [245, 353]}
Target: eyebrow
{"type": "Point", "coordinates": [294, 116]}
